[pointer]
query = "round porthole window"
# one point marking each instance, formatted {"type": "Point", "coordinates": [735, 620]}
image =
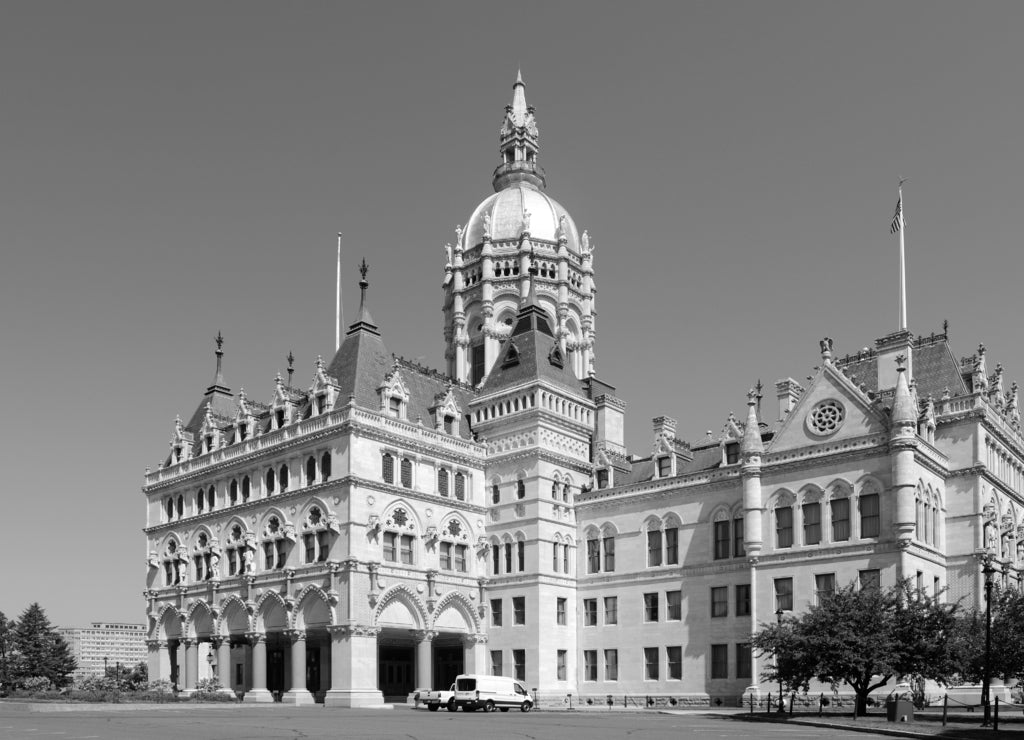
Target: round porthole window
{"type": "Point", "coordinates": [826, 417]}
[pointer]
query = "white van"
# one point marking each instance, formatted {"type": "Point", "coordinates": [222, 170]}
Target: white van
{"type": "Point", "coordinates": [474, 692]}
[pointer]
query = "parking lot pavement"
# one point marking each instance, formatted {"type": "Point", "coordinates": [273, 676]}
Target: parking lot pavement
{"type": "Point", "coordinates": [312, 723]}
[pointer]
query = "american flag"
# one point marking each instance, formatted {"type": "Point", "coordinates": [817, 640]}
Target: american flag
{"type": "Point", "coordinates": [898, 221]}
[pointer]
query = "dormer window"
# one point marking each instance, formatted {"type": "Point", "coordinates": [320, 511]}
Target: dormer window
{"type": "Point", "coordinates": [449, 423]}
{"type": "Point", "coordinates": [279, 417]}
{"type": "Point", "coordinates": [732, 453]}
{"type": "Point", "coordinates": [664, 467]}
{"type": "Point", "coordinates": [603, 478]}
{"type": "Point", "coordinates": [177, 453]}
{"type": "Point", "coordinates": [208, 443]}
{"type": "Point", "coordinates": [321, 403]}
{"type": "Point", "coordinates": [395, 407]}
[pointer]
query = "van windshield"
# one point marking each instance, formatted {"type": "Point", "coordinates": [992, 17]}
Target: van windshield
{"type": "Point", "coordinates": [465, 684]}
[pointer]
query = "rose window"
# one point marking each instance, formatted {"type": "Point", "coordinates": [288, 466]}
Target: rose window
{"type": "Point", "coordinates": [826, 417]}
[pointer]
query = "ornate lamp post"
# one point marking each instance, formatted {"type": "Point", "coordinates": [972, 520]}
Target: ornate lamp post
{"type": "Point", "coordinates": [778, 619]}
{"type": "Point", "coordinates": [986, 678]}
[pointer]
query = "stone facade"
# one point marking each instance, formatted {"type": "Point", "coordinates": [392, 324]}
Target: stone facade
{"type": "Point", "coordinates": [389, 526]}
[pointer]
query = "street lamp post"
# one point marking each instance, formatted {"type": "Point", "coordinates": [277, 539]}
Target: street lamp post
{"type": "Point", "coordinates": [104, 666]}
{"type": "Point", "coordinates": [778, 668]}
{"type": "Point", "coordinates": [986, 678]}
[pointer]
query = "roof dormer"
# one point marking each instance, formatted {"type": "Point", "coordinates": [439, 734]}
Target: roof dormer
{"type": "Point", "coordinates": [394, 395]}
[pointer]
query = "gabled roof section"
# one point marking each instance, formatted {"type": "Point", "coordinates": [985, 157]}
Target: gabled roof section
{"type": "Point", "coordinates": [531, 352]}
{"type": "Point", "coordinates": [424, 386]}
{"type": "Point", "coordinates": [935, 368]}
{"type": "Point", "coordinates": [859, 417]}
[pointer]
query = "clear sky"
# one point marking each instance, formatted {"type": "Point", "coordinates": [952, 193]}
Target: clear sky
{"type": "Point", "coordinates": [171, 170]}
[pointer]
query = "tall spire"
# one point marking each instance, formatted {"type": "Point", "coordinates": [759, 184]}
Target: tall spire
{"type": "Point", "coordinates": [518, 143]}
{"type": "Point", "coordinates": [218, 376]}
{"type": "Point", "coordinates": [365, 320]}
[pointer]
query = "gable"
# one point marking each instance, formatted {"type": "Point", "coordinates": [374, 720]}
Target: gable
{"type": "Point", "coordinates": [831, 409]}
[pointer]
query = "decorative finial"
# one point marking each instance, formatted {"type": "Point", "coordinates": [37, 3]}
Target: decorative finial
{"type": "Point", "coordinates": [981, 350]}
{"type": "Point", "coordinates": [363, 269]}
{"type": "Point", "coordinates": [220, 342]}
{"type": "Point", "coordinates": [945, 328]}
{"type": "Point", "coordinates": [319, 362]}
{"type": "Point", "coordinates": [826, 349]}
{"type": "Point", "coordinates": [752, 397]}
{"type": "Point", "coordinates": [901, 362]}
{"type": "Point", "coordinates": [526, 221]}
{"type": "Point", "coordinates": [291, 366]}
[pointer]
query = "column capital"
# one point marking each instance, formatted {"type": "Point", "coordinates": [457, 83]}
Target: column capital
{"type": "Point", "coordinates": [189, 642]}
{"type": "Point", "coordinates": [215, 642]}
{"type": "Point", "coordinates": [296, 635]}
{"type": "Point", "coordinates": [156, 644]}
{"type": "Point", "coordinates": [471, 640]}
{"type": "Point", "coordinates": [256, 638]}
{"type": "Point", "coordinates": [424, 635]}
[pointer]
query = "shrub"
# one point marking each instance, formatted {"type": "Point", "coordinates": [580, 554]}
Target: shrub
{"type": "Point", "coordinates": [208, 686]}
{"type": "Point", "coordinates": [36, 684]}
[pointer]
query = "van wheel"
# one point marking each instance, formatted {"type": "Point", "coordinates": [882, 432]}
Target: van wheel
{"type": "Point", "coordinates": [451, 705]}
{"type": "Point", "coordinates": [504, 709]}
{"type": "Point", "coordinates": [489, 706]}
{"type": "Point", "coordinates": [433, 707]}
{"type": "Point", "coordinates": [525, 706]}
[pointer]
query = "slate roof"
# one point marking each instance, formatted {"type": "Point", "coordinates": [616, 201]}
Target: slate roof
{"type": "Point", "coordinates": [935, 368]}
{"type": "Point", "coordinates": [424, 386]}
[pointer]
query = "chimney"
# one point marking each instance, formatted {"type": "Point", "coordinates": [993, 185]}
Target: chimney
{"type": "Point", "coordinates": [788, 392]}
{"type": "Point", "coordinates": [665, 426]}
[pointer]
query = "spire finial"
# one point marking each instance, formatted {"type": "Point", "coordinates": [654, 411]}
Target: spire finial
{"type": "Point", "coordinates": [218, 377]}
{"type": "Point", "coordinates": [291, 366]}
{"type": "Point", "coordinates": [363, 269]}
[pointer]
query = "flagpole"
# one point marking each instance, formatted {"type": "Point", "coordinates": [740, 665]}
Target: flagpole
{"type": "Point", "coordinates": [337, 308]}
{"type": "Point", "coordinates": [903, 265]}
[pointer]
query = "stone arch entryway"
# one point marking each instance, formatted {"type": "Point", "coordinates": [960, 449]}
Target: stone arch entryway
{"type": "Point", "coordinates": [400, 615]}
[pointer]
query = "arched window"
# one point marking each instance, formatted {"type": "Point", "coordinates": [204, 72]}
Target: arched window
{"type": "Point", "coordinates": [325, 466]}
{"type": "Point", "coordinates": [316, 536]}
{"type": "Point", "coordinates": [387, 467]}
{"type": "Point", "coordinates": [554, 490]}
{"type": "Point", "coordinates": [236, 549]}
{"type": "Point", "coordinates": [275, 545]}
{"type": "Point", "coordinates": [520, 489]}
{"type": "Point", "coordinates": [495, 493]}
{"type": "Point", "coordinates": [397, 541]}
{"type": "Point", "coordinates": [200, 501]}
{"type": "Point", "coordinates": [246, 488]}
{"type": "Point", "coordinates": [233, 492]}
{"type": "Point", "coordinates": [521, 555]}
{"type": "Point", "coordinates": [310, 471]}
{"type": "Point", "coordinates": [181, 506]}
{"type": "Point", "coordinates": [172, 564]}
{"type": "Point", "coordinates": [211, 498]}
{"type": "Point", "coordinates": [271, 480]}
{"type": "Point", "coordinates": [460, 486]}
{"type": "Point", "coordinates": [406, 472]}
{"type": "Point", "coordinates": [282, 478]}
{"type": "Point", "coordinates": [453, 548]}
{"type": "Point", "coordinates": [202, 559]}
{"type": "Point", "coordinates": [442, 481]}
{"type": "Point", "coordinates": [169, 505]}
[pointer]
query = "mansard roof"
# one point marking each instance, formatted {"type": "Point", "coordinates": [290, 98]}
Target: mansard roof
{"type": "Point", "coordinates": [935, 368]}
{"type": "Point", "coordinates": [424, 386]}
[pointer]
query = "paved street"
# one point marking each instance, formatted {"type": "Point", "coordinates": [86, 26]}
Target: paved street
{"type": "Point", "coordinates": [312, 723]}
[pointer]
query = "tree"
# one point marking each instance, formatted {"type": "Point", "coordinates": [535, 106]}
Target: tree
{"type": "Point", "coordinates": [1007, 639]}
{"type": "Point", "coordinates": [863, 637]}
{"type": "Point", "coordinates": [41, 651]}
{"type": "Point", "coordinates": [5, 636]}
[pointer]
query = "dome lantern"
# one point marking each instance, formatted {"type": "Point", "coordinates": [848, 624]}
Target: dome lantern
{"type": "Point", "coordinates": [519, 143]}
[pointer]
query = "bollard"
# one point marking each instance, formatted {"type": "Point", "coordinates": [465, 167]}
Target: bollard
{"type": "Point", "coordinates": [751, 702]}
{"type": "Point", "coordinates": [792, 701]}
{"type": "Point", "coordinates": [995, 717]}
{"type": "Point", "coordinates": [945, 708]}
{"type": "Point", "coordinates": [821, 703]}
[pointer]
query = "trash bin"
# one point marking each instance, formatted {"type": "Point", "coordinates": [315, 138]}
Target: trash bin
{"type": "Point", "coordinates": [899, 708]}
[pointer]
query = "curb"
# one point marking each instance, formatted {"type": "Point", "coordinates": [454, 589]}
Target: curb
{"type": "Point", "coordinates": [891, 732]}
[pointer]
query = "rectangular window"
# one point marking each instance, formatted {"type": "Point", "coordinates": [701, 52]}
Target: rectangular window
{"type": "Point", "coordinates": [664, 467]}
{"type": "Point", "coordinates": [390, 547]}
{"type": "Point", "coordinates": [508, 557]}
{"type": "Point", "coordinates": [674, 653]}
{"type": "Point", "coordinates": [719, 661]}
{"type": "Point", "coordinates": [824, 585]}
{"type": "Point", "coordinates": [521, 555]}
{"type": "Point", "coordinates": [565, 559]}
{"type": "Point", "coordinates": [496, 668]}
{"type": "Point", "coordinates": [442, 481]}
{"type": "Point", "coordinates": [602, 478]}
{"type": "Point", "coordinates": [282, 553]}
{"type": "Point", "coordinates": [674, 605]}
{"type": "Point", "coordinates": [560, 611]}
{"type": "Point", "coordinates": [460, 486]}
{"type": "Point", "coordinates": [653, 548]}
{"type": "Point", "coordinates": [395, 406]}
{"type": "Point", "coordinates": [590, 612]}
{"type": "Point", "coordinates": [460, 558]}
{"type": "Point", "coordinates": [387, 470]}
{"type": "Point", "coordinates": [869, 518]}
{"type": "Point", "coordinates": [495, 494]}
{"type": "Point", "coordinates": [743, 600]}
{"type": "Point", "coordinates": [406, 544]}
{"type": "Point", "coordinates": [323, 543]}
{"type": "Point", "coordinates": [309, 541]}
{"type": "Point", "coordinates": [446, 556]}
{"type": "Point", "coordinates": [611, 665]}
{"type": "Point", "coordinates": [589, 665]}
{"type": "Point", "coordinates": [721, 540]}
{"type": "Point", "coordinates": [496, 559]}
{"type": "Point", "coordinates": [496, 612]}
{"type": "Point", "coordinates": [651, 607]}
{"type": "Point", "coordinates": [743, 660]}
{"type": "Point", "coordinates": [732, 453]}
{"type": "Point", "coordinates": [611, 609]}
{"type": "Point", "coordinates": [554, 556]}
{"type": "Point", "coordinates": [651, 663]}
{"type": "Point", "coordinates": [812, 523]}
{"type": "Point", "coordinates": [609, 554]}
{"type": "Point", "coordinates": [519, 664]}
{"type": "Point", "coordinates": [738, 550]}
{"type": "Point", "coordinates": [406, 468]}
{"type": "Point", "coordinates": [840, 519]}
{"type": "Point", "coordinates": [720, 601]}
{"type": "Point", "coordinates": [784, 594]}
{"type": "Point", "coordinates": [672, 546]}
{"type": "Point", "coordinates": [784, 526]}
{"type": "Point", "coordinates": [268, 555]}
{"type": "Point", "coordinates": [593, 556]}
{"type": "Point", "coordinates": [560, 661]}
{"type": "Point", "coordinates": [518, 610]}
{"type": "Point", "coordinates": [870, 579]}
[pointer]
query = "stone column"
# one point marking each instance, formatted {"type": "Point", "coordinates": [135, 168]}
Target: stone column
{"type": "Point", "coordinates": [298, 693]}
{"type": "Point", "coordinates": [258, 694]}
{"type": "Point", "coordinates": [475, 653]}
{"type": "Point", "coordinates": [353, 667]}
{"type": "Point", "coordinates": [191, 664]}
{"type": "Point", "coordinates": [153, 662]}
{"type": "Point", "coordinates": [425, 659]}
{"type": "Point", "coordinates": [180, 677]}
{"type": "Point", "coordinates": [223, 647]}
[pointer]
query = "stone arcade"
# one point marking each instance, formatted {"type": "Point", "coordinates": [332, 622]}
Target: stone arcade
{"type": "Point", "coordinates": [389, 526]}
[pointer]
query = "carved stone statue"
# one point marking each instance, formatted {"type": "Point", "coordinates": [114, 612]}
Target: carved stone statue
{"type": "Point", "coordinates": [247, 565]}
{"type": "Point", "coordinates": [448, 255]}
{"type": "Point", "coordinates": [585, 247]}
{"type": "Point", "coordinates": [487, 224]}
{"type": "Point", "coordinates": [526, 221]}
{"type": "Point", "coordinates": [458, 237]}
{"type": "Point", "coordinates": [826, 345]}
